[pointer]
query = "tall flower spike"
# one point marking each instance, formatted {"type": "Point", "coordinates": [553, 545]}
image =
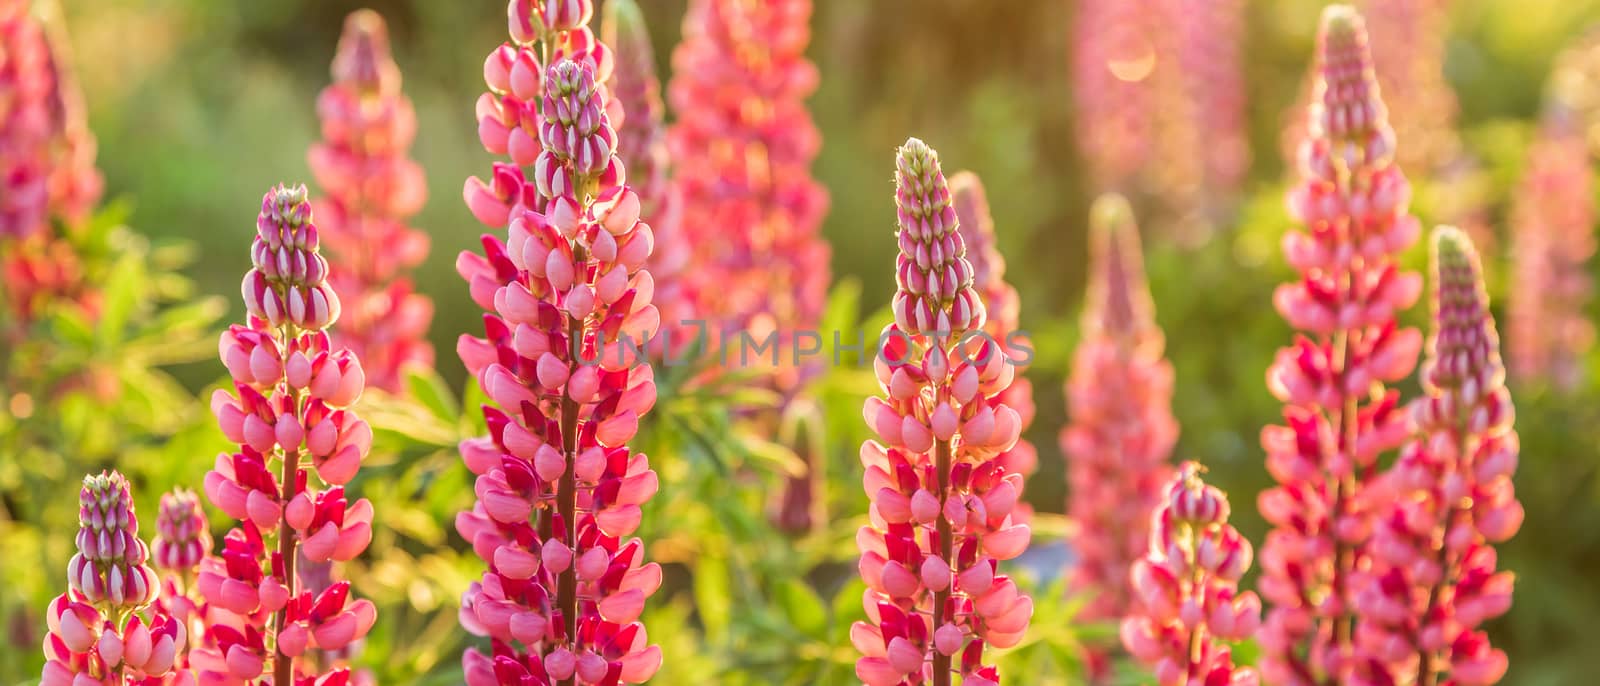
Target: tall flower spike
{"type": "Point", "coordinates": [1446, 501]}
{"type": "Point", "coordinates": [642, 147]}
{"type": "Point", "coordinates": [1554, 216]}
{"type": "Point", "coordinates": [1122, 431]}
{"type": "Point", "coordinates": [751, 209]}
{"type": "Point", "coordinates": [1186, 600]}
{"type": "Point", "coordinates": [1352, 201]}
{"type": "Point", "coordinates": [372, 188]}
{"type": "Point", "coordinates": [99, 632]}
{"type": "Point", "coordinates": [944, 509]}
{"type": "Point", "coordinates": [1162, 80]}
{"type": "Point", "coordinates": [1002, 309]}
{"type": "Point", "coordinates": [569, 313]}
{"type": "Point", "coordinates": [291, 410]}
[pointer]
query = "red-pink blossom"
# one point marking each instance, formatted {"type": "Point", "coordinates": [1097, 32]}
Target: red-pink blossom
{"type": "Point", "coordinates": [1186, 604]}
{"type": "Point", "coordinates": [372, 187]}
{"type": "Point", "coordinates": [1122, 431]}
{"type": "Point", "coordinates": [742, 147]}
{"type": "Point", "coordinates": [1352, 202]}
{"type": "Point", "coordinates": [569, 313]}
{"type": "Point", "coordinates": [944, 509]}
{"type": "Point", "coordinates": [1160, 92]}
{"type": "Point", "coordinates": [1445, 503]}
{"type": "Point", "coordinates": [100, 630]}
{"type": "Point", "coordinates": [1554, 216]}
{"type": "Point", "coordinates": [299, 443]}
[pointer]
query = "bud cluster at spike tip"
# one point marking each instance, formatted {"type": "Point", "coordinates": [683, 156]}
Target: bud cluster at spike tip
{"type": "Point", "coordinates": [1186, 600]}
{"type": "Point", "coordinates": [1119, 395]}
{"type": "Point", "coordinates": [642, 147]}
{"type": "Point", "coordinates": [183, 537]}
{"type": "Point", "coordinates": [510, 112]}
{"type": "Point", "coordinates": [1161, 96]}
{"type": "Point", "coordinates": [98, 632]}
{"type": "Point", "coordinates": [286, 284]}
{"type": "Point", "coordinates": [1554, 216]}
{"type": "Point", "coordinates": [1002, 309]}
{"type": "Point", "coordinates": [751, 210]}
{"type": "Point", "coordinates": [1433, 581]}
{"type": "Point", "coordinates": [111, 567]}
{"type": "Point", "coordinates": [372, 187]}
{"type": "Point", "coordinates": [568, 312]}
{"type": "Point", "coordinates": [935, 296]}
{"type": "Point", "coordinates": [944, 509]}
{"type": "Point", "coordinates": [1351, 200]}
{"type": "Point", "coordinates": [290, 411]}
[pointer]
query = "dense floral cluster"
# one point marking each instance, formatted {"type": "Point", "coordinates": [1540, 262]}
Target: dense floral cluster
{"type": "Point", "coordinates": [291, 409]}
{"type": "Point", "coordinates": [1161, 97]}
{"type": "Point", "coordinates": [1122, 431]}
{"type": "Point", "coordinates": [569, 310]}
{"type": "Point", "coordinates": [47, 169]}
{"type": "Point", "coordinates": [1448, 498]}
{"type": "Point", "coordinates": [1352, 201]}
{"type": "Point", "coordinates": [99, 631]}
{"type": "Point", "coordinates": [372, 188]}
{"type": "Point", "coordinates": [1554, 217]}
{"type": "Point", "coordinates": [751, 210]}
{"type": "Point", "coordinates": [943, 512]}
{"type": "Point", "coordinates": [1186, 598]}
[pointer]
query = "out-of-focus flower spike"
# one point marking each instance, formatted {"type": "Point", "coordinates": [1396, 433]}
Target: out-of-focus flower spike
{"type": "Point", "coordinates": [183, 537]}
{"type": "Point", "coordinates": [1352, 200]}
{"type": "Point", "coordinates": [372, 187]}
{"type": "Point", "coordinates": [1122, 431]}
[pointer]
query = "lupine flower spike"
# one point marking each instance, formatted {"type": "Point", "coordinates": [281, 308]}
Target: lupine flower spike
{"type": "Point", "coordinates": [182, 544]}
{"type": "Point", "coordinates": [99, 632]}
{"type": "Point", "coordinates": [1003, 309]}
{"type": "Point", "coordinates": [1186, 601]}
{"type": "Point", "coordinates": [1447, 500]}
{"type": "Point", "coordinates": [569, 312]}
{"type": "Point", "coordinates": [1554, 215]}
{"type": "Point", "coordinates": [751, 209]}
{"type": "Point", "coordinates": [1163, 81]}
{"type": "Point", "coordinates": [642, 147]}
{"type": "Point", "coordinates": [1122, 431]}
{"type": "Point", "coordinates": [943, 506]}
{"type": "Point", "coordinates": [372, 187]}
{"type": "Point", "coordinates": [292, 411]}
{"type": "Point", "coordinates": [1352, 200]}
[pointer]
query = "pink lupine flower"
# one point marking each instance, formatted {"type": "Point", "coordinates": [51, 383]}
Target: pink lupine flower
{"type": "Point", "coordinates": [1446, 501]}
{"type": "Point", "coordinates": [1122, 431]}
{"type": "Point", "coordinates": [1003, 308]}
{"type": "Point", "coordinates": [943, 507]}
{"type": "Point", "coordinates": [569, 301]}
{"type": "Point", "coordinates": [97, 632]}
{"type": "Point", "coordinates": [743, 144]}
{"type": "Point", "coordinates": [642, 147]}
{"type": "Point", "coordinates": [183, 537]}
{"type": "Point", "coordinates": [1161, 97]}
{"type": "Point", "coordinates": [294, 389]}
{"type": "Point", "coordinates": [1554, 216]}
{"type": "Point", "coordinates": [1352, 200]}
{"type": "Point", "coordinates": [1186, 599]}
{"type": "Point", "coordinates": [372, 188]}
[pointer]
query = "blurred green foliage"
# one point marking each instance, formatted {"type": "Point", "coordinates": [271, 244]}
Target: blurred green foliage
{"type": "Point", "coordinates": [200, 105]}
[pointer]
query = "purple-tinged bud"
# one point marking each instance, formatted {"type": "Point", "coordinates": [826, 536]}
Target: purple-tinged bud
{"type": "Point", "coordinates": [286, 284]}
{"type": "Point", "coordinates": [183, 537]}
{"type": "Point", "coordinates": [936, 294]}
{"type": "Point", "coordinates": [110, 569]}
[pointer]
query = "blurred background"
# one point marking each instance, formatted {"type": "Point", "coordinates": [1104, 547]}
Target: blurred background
{"type": "Point", "coordinates": [199, 106]}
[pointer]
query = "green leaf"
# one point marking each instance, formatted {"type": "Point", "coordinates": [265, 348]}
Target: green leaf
{"type": "Point", "coordinates": [712, 589]}
{"type": "Point", "coordinates": [428, 388]}
{"type": "Point", "coordinates": [803, 607]}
